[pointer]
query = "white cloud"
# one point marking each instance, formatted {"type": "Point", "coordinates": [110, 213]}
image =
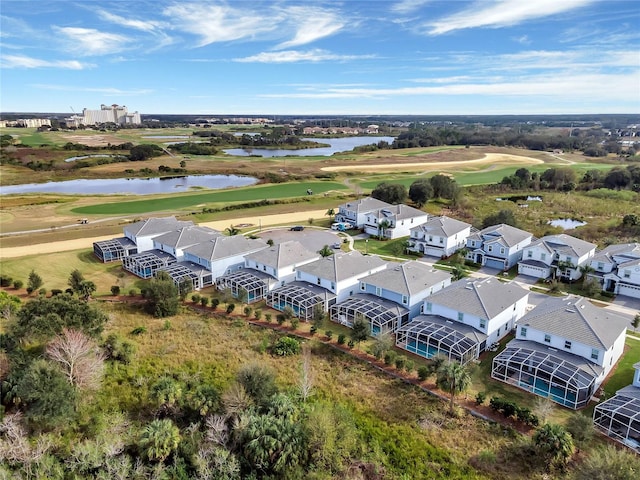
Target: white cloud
{"type": "Point", "coordinates": [311, 24]}
{"type": "Point", "coordinates": [145, 26]}
{"type": "Point", "coordinates": [218, 23]}
{"type": "Point", "coordinates": [408, 6]}
{"type": "Point", "coordinates": [524, 40]}
{"type": "Point", "coordinates": [293, 56]}
{"type": "Point", "coordinates": [107, 91]}
{"type": "Point", "coordinates": [502, 13]}
{"type": "Point", "coordinates": [22, 61]}
{"type": "Point", "coordinates": [88, 41]}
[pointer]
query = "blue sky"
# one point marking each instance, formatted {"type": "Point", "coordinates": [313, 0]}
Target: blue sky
{"type": "Point", "coordinates": [421, 57]}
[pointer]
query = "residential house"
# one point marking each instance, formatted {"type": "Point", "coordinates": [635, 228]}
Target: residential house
{"type": "Point", "coordinates": [564, 348]}
{"type": "Point", "coordinates": [439, 237]}
{"type": "Point", "coordinates": [619, 416]}
{"type": "Point", "coordinates": [391, 297]}
{"type": "Point", "coordinates": [175, 241]}
{"type": "Point", "coordinates": [463, 319]}
{"type": "Point", "coordinates": [617, 268]}
{"type": "Point", "coordinates": [498, 246]}
{"type": "Point", "coordinates": [267, 269]}
{"type": "Point", "coordinates": [354, 212]}
{"type": "Point", "coordinates": [327, 281]}
{"type": "Point", "coordinates": [560, 256]}
{"type": "Point", "coordinates": [393, 221]}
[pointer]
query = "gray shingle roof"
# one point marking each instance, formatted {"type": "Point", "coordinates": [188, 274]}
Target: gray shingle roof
{"type": "Point", "coordinates": [568, 245]}
{"type": "Point", "coordinates": [443, 226]}
{"type": "Point", "coordinates": [630, 250]}
{"type": "Point", "coordinates": [407, 278]}
{"type": "Point", "coordinates": [365, 204]}
{"type": "Point", "coordinates": [398, 212]}
{"type": "Point", "coordinates": [223, 247]}
{"type": "Point", "coordinates": [508, 234]}
{"type": "Point", "coordinates": [187, 236]}
{"type": "Point", "coordinates": [283, 255]}
{"type": "Point", "coordinates": [155, 226]}
{"type": "Point", "coordinates": [341, 266]}
{"type": "Point", "coordinates": [576, 319]}
{"type": "Point", "coordinates": [484, 298]}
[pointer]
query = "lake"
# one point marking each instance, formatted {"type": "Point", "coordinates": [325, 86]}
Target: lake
{"type": "Point", "coordinates": [566, 223]}
{"type": "Point", "coordinates": [134, 186]}
{"type": "Point", "coordinates": [81, 157]}
{"type": "Point", "coordinates": [337, 145]}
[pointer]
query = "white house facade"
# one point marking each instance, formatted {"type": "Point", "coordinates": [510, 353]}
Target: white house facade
{"type": "Point", "coordinates": [497, 246]}
{"type": "Point", "coordinates": [355, 211]}
{"type": "Point", "coordinates": [394, 221]}
{"type": "Point", "coordinates": [560, 256]}
{"type": "Point", "coordinates": [617, 268]}
{"type": "Point", "coordinates": [439, 236]}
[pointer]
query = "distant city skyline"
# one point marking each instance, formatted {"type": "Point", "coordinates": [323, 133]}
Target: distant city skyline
{"type": "Point", "coordinates": [406, 57]}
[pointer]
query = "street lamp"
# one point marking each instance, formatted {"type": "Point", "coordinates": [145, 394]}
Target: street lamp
{"type": "Point", "coordinates": [366, 247]}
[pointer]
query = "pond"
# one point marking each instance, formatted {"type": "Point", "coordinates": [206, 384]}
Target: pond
{"type": "Point", "coordinates": [566, 223]}
{"type": "Point", "coordinates": [337, 145]}
{"type": "Point", "coordinates": [134, 186]}
{"type": "Point", "coordinates": [81, 157]}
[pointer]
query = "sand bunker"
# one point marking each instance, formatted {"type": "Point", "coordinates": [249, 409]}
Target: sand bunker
{"type": "Point", "coordinates": [488, 159]}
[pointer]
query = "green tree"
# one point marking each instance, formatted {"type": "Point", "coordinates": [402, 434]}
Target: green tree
{"type": "Point", "coordinates": [48, 396]}
{"type": "Point", "coordinates": [318, 316]}
{"type": "Point", "coordinates": [34, 282]}
{"type": "Point", "coordinates": [608, 463]}
{"type": "Point", "coordinates": [331, 213]}
{"type": "Point", "coordinates": [503, 216]}
{"type": "Point", "coordinates": [325, 251]}
{"type": "Point", "coordinates": [381, 345]}
{"type": "Point", "coordinates": [161, 296]}
{"type": "Point", "coordinates": [554, 444]}
{"type": "Point", "coordinates": [360, 330]}
{"type": "Point", "coordinates": [232, 231]}
{"type": "Point", "coordinates": [159, 439]}
{"type": "Point", "coordinates": [420, 192]}
{"type": "Point", "coordinates": [9, 305]}
{"type": "Point", "coordinates": [635, 323]}
{"type": "Point", "coordinates": [75, 281]}
{"type": "Point", "coordinates": [258, 381]}
{"type": "Point", "coordinates": [382, 227]}
{"type": "Point", "coordinates": [458, 272]}
{"type": "Point", "coordinates": [444, 186]}
{"type": "Point", "coordinates": [185, 287]}
{"type": "Point", "coordinates": [86, 289]}
{"type": "Point", "coordinates": [453, 378]}
{"type": "Point", "coordinates": [581, 428]}
{"type": "Point", "coordinates": [393, 193]}
{"type": "Point", "coordinates": [166, 391]}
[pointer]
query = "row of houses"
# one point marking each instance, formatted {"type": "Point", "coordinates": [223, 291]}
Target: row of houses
{"type": "Point", "coordinates": [563, 348]}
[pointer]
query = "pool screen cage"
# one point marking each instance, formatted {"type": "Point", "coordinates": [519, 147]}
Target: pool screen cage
{"type": "Point", "coordinates": [619, 417]}
{"type": "Point", "coordinates": [180, 273]}
{"type": "Point", "coordinates": [383, 316]}
{"type": "Point", "coordinates": [146, 264]}
{"type": "Point", "coordinates": [114, 249]}
{"type": "Point", "coordinates": [242, 281]}
{"type": "Point", "coordinates": [562, 377]}
{"type": "Point", "coordinates": [429, 336]}
{"type": "Point", "coordinates": [300, 298]}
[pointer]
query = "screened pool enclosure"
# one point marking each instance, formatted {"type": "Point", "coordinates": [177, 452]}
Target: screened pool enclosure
{"type": "Point", "coordinates": [252, 282]}
{"type": "Point", "coordinates": [114, 249]}
{"type": "Point", "coordinates": [565, 378]}
{"type": "Point", "coordinates": [198, 276]}
{"type": "Point", "coordinates": [146, 264]}
{"type": "Point", "coordinates": [619, 417]}
{"type": "Point", "coordinates": [383, 315]}
{"type": "Point", "coordinates": [430, 335]}
{"type": "Point", "coordinates": [301, 297]}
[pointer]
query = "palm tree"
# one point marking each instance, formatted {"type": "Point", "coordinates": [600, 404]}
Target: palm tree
{"type": "Point", "coordinates": [325, 251]}
{"type": "Point", "coordinates": [554, 442]}
{"type": "Point", "coordinates": [382, 227]}
{"type": "Point", "coordinates": [159, 438]}
{"type": "Point", "coordinates": [331, 212]}
{"type": "Point", "coordinates": [231, 230]}
{"type": "Point", "coordinates": [458, 272]}
{"type": "Point", "coordinates": [586, 270]}
{"type": "Point", "coordinates": [453, 378]}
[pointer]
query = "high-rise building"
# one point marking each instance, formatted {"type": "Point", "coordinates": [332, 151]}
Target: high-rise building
{"type": "Point", "coordinates": [117, 114]}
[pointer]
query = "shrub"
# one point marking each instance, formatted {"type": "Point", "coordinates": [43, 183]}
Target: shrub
{"type": "Point", "coordinates": [409, 365]}
{"type": "Point", "coordinates": [423, 373]}
{"type": "Point", "coordinates": [119, 349]}
{"type": "Point", "coordinates": [195, 298]}
{"type": "Point", "coordinates": [295, 323]}
{"type": "Point", "coordinates": [257, 314]}
{"type": "Point", "coordinates": [286, 346]}
{"type": "Point", "coordinates": [313, 330]}
{"type": "Point", "coordinates": [481, 397]}
{"type": "Point", "coordinates": [351, 343]}
{"type": "Point", "coordinates": [133, 292]}
{"type": "Point", "coordinates": [280, 319]}
{"type": "Point", "coordinates": [390, 357]}
{"type": "Point", "coordinates": [5, 280]}
{"type": "Point", "coordinates": [248, 311]}
{"type": "Point", "coordinates": [55, 291]}
{"type": "Point", "coordinates": [42, 292]}
{"type": "Point", "coordinates": [115, 290]}
{"type": "Point", "coordinates": [400, 362]}
{"type": "Point", "coordinates": [268, 317]}
{"type": "Point", "coordinates": [204, 301]}
{"type": "Point", "coordinates": [139, 331]}
{"type": "Point", "coordinates": [214, 303]}
{"type": "Point", "coordinates": [230, 308]}
{"type": "Point", "coordinates": [18, 284]}
{"type": "Point", "coordinates": [328, 334]}
{"type": "Point", "coordinates": [341, 338]}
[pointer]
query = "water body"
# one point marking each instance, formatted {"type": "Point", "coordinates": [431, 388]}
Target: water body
{"type": "Point", "coordinates": [134, 186]}
{"type": "Point", "coordinates": [566, 223]}
{"type": "Point", "coordinates": [73, 159]}
{"type": "Point", "coordinates": [344, 144]}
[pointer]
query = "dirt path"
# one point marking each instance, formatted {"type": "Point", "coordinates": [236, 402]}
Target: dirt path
{"type": "Point", "coordinates": [80, 243]}
{"type": "Point", "coordinates": [488, 158]}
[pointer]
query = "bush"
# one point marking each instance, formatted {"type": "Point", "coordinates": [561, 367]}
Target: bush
{"type": "Point", "coordinates": [390, 357]}
{"type": "Point", "coordinates": [139, 331]}
{"type": "Point", "coordinates": [423, 373]}
{"type": "Point", "coordinates": [42, 292]}
{"type": "Point", "coordinates": [286, 346]}
{"type": "Point", "coordinates": [313, 330]}
{"type": "Point", "coordinates": [295, 323]}
{"type": "Point", "coordinates": [268, 317]}
{"type": "Point", "coordinates": [55, 291]}
{"type": "Point", "coordinates": [409, 365]}
{"type": "Point", "coordinates": [351, 343]}
{"type": "Point", "coordinates": [5, 280]}
{"type": "Point", "coordinates": [119, 349]}
{"type": "Point", "coordinates": [133, 292]}
{"type": "Point", "coordinates": [214, 303]}
{"type": "Point", "coordinates": [400, 362]}
{"type": "Point", "coordinates": [204, 301]}
{"type": "Point", "coordinates": [115, 290]}
{"type": "Point", "coordinates": [257, 314]}
{"type": "Point", "coordinates": [248, 311]}
{"type": "Point", "coordinates": [280, 319]}
{"type": "Point", "coordinates": [341, 338]}
{"type": "Point", "coordinates": [481, 397]}
{"type": "Point", "coordinates": [230, 308]}
{"type": "Point", "coordinates": [328, 334]}
{"type": "Point", "coordinates": [18, 284]}
{"type": "Point", "coordinates": [195, 298]}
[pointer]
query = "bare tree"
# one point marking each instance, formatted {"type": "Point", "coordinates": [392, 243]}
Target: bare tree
{"type": "Point", "coordinates": [217, 430]}
{"type": "Point", "coordinates": [15, 447]}
{"type": "Point", "coordinates": [543, 409]}
{"type": "Point", "coordinates": [307, 376]}
{"type": "Point", "coordinates": [79, 356]}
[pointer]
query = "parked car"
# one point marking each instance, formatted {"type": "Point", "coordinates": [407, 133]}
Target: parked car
{"type": "Point", "coordinates": [336, 245]}
{"type": "Point", "coordinates": [341, 226]}
{"type": "Point", "coordinates": [297, 228]}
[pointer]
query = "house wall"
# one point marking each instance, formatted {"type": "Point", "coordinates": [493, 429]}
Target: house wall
{"type": "Point", "coordinates": [636, 378]}
{"type": "Point", "coordinates": [144, 244]}
{"type": "Point", "coordinates": [438, 245]}
{"type": "Point", "coordinates": [342, 289]}
{"type": "Point", "coordinates": [602, 266]}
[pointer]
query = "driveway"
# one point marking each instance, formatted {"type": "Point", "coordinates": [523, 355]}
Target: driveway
{"type": "Point", "coordinates": [311, 238]}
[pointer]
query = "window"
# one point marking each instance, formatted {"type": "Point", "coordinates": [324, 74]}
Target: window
{"type": "Point", "coordinates": [626, 273]}
{"type": "Point", "coordinates": [473, 243]}
{"type": "Point", "coordinates": [567, 344]}
{"type": "Point", "coordinates": [441, 240]}
{"type": "Point", "coordinates": [362, 287]}
{"type": "Point", "coordinates": [378, 291]}
{"type": "Point", "coordinates": [429, 306]}
{"type": "Point", "coordinates": [595, 354]}
{"type": "Point", "coordinates": [318, 282]}
{"type": "Point", "coordinates": [529, 254]}
{"type": "Point", "coordinates": [422, 308]}
{"type": "Point", "coordinates": [547, 338]}
{"type": "Point", "coordinates": [460, 316]}
{"type": "Point", "coordinates": [483, 323]}
{"type": "Point", "coordinates": [502, 250]}
{"type": "Point", "coordinates": [490, 248]}
{"type": "Point", "coordinates": [333, 286]}
{"type": "Point", "coordinates": [431, 238]}
{"type": "Point", "coordinates": [543, 256]}
{"type": "Point", "coordinates": [569, 260]}
{"type": "Point", "coordinates": [405, 300]}
{"type": "Point", "coordinates": [600, 266]}
{"type": "Point", "coordinates": [523, 332]}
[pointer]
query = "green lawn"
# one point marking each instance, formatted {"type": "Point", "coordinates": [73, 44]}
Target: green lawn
{"type": "Point", "coordinates": [390, 248]}
{"type": "Point", "coordinates": [175, 202]}
{"type": "Point", "coordinates": [623, 374]}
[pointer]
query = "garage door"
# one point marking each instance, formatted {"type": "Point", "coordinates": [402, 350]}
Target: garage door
{"type": "Point", "coordinates": [629, 291]}
{"type": "Point", "coordinates": [531, 271]}
{"type": "Point", "coordinates": [491, 263]}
